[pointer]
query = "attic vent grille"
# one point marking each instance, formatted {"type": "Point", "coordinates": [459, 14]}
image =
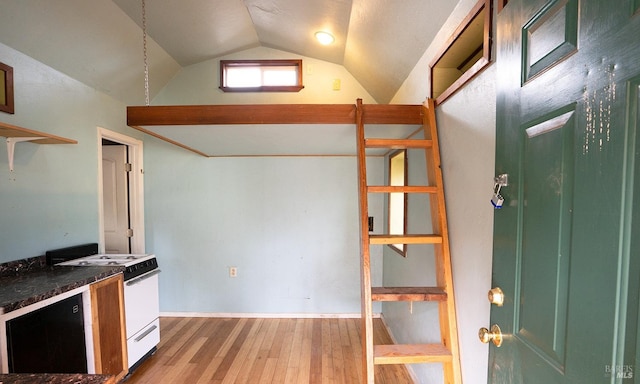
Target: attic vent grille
{"type": "Point", "coordinates": [261, 75]}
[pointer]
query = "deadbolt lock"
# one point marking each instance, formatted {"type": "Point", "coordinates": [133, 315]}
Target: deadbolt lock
{"type": "Point", "coordinates": [496, 296]}
{"type": "Point", "coordinates": [495, 335]}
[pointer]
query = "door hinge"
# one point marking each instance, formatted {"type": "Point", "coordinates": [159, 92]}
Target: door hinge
{"type": "Point", "coordinates": [129, 232]}
{"type": "Point", "coordinates": [127, 167]}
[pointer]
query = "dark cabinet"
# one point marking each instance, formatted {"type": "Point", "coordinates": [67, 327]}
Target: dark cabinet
{"type": "Point", "coordinates": [48, 340]}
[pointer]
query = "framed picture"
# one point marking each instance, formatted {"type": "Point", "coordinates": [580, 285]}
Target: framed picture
{"type": "Point", "coordinates": [6, 88]}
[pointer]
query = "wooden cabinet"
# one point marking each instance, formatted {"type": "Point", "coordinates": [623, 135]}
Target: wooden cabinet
{"type": "Point", "coordinates": [109, 332]}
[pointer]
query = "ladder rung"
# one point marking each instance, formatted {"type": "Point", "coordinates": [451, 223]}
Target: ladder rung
{"type": "Point", "coordinates": [398, 143]}
{"type": "Point", "coordinates": [401, 189]}
{"type": "Point", "coordinates": [411, 353]}
{"type": "Point", "coordinates": [408, 294]}
{"type": "Point", "coordinates": [405, 239]}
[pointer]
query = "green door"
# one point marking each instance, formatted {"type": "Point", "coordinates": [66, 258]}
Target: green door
{"type": "Point", "coordinates": [566, 242]}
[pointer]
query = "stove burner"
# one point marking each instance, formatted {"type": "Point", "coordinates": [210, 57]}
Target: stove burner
{"type": "Point", "coordinates": [84, 262]}
{"type": "Point", "coordinates": [112, 263]}
{"type": "Point", "coordinates": [104, 257]}
{"type": "Point", "coordinates": [131, 257]}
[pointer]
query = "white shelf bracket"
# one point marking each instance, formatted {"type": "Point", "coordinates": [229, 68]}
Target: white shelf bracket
{"type": "Point", "coordinates": [11, 146]}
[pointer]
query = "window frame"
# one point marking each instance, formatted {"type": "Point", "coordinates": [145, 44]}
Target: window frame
{"type": "Point", "coordinates": [224, 64]}
{"type": "Point", "coordinates": [6, 72]}
{"type": "Point", "coordinates": [481, 64]}
{"type": "Point", "coordinates": [399, 248]}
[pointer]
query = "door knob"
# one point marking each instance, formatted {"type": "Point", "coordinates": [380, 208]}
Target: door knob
{"type": "Point", "coordinates": [496, 296]}
{"type": "Point", "coordinates": [495, 335]}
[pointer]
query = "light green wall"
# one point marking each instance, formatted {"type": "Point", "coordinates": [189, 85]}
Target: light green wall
{"type": "Point", "coordinates": [50, 200]}
{"type": "Point", "coordinates": [289, 224]}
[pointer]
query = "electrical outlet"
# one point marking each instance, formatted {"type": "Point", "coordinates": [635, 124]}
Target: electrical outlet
{"type": "Point", "coordinates": [233, 271]}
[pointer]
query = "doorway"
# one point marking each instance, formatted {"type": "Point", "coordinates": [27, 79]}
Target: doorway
{"type": "Point", "coordinates": [120, 193]}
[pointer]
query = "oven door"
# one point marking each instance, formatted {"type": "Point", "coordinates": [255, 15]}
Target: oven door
{"type": "Point", "coordinates": [141, 311]}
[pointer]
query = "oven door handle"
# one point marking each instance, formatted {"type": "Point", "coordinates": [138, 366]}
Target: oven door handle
{"type": "Point", "coordinates": [140, 279]}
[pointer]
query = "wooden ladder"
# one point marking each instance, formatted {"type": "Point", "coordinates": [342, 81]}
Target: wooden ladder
{"type": "Point", "coordinates": [445, 352]}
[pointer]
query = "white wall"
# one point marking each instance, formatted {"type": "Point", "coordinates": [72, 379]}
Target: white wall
{"type": "Point", "coordinates": [466, 124]}
{"type": "Point", "coordinates": [51, 198]}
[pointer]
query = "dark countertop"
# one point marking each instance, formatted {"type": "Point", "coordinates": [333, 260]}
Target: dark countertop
{"type": "Point", "coordinates": [37, 284]}
{"type": "Point", "coordinates": [58, 378]}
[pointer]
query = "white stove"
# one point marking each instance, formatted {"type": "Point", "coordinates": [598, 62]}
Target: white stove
{"type": "Point", "coordinates": [135, 264]}
{"type": "Point", "coordinates": [141, 300]}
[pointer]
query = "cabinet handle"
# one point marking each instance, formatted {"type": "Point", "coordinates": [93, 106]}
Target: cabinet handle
{"type": "Point", "coordinates": [148, 331]}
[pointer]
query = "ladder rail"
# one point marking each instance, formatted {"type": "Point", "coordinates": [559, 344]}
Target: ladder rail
{"type": "Point", "coordinates": [447, 351]}
{"type": "Point", "coordinates": [444, 272]}
{"type": "Point", "coordinates": [365, 256]}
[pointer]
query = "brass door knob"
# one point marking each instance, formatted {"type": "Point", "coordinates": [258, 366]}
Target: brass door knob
{"type": "Point", "coordinates": [496, 296]}
{"type": "Point", "coordinates": [495, 335]}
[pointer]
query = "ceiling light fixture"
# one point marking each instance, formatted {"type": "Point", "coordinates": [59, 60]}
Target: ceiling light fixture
{"type": "Point", "coordinates": [325, 38]}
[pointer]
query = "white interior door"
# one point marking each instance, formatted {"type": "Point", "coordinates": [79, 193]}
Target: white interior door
{"type": "Point", "coordinates": [115, 199]}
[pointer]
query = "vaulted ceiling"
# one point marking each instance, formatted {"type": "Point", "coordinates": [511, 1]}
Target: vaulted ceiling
{"type": "Point", "coordinates": [99, 42]}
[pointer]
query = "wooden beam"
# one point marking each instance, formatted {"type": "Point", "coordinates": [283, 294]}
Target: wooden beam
{"type": "Point", "coordinates": [272, 114]}
{"type": "Point", "coordinates": [241, 114]}
{"type": "Point", "coordinates": [391, 114]}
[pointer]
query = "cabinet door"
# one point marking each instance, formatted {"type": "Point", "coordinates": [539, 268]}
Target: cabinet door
{"type": "Point", "coordinates": [109, 334]}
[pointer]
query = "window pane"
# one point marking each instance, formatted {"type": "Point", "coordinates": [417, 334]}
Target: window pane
{"type": "Point", "coordinates": [279, 76]}
{"type": "Point", "coordinates": [397, 201]}
{"type": "Point", "coordinates": [261, 75]}
{"type": "Point", "coordinates": [243, 77]}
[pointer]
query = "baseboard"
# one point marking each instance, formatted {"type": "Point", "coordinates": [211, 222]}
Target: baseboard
{"type": "Point", "coordinates": [267, 315]}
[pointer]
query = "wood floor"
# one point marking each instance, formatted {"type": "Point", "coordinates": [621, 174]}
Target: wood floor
{"type": "Point", "coordinates": [255, 351]}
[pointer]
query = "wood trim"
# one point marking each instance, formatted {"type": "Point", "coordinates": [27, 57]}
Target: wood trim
{"type": "Point", "coordinates": [241, 114]}
{"type": "Point", "coordinates": [8, 130]}
{"type": "Point", "coordinates": [501, 4]}
{"type": "Point", "coordinates": [140, 116]}
{"type": "Point", "coordinates": [486, 49]}
{"type": "Point", "coordinates": [168, 140]}
{"type": "Point", "coordinates": [461, 27]}
{"type": "Point", "coordinates": [8, 105]}
{"type": "Point", "coordinates": [365, 256]}
{"type": "Point", "coordinates": [109, 326]}
{"type": "Point", "coordinates": [297, 63]}
{"type": "Point", "coordinates": [391, 114]}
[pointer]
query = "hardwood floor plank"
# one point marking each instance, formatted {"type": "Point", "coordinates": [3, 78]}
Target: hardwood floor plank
{"type": "Point", "coordinates": [285, 351]}
{"type": "Point", "coordinates": [232, 352]}
{"type": "Point", "coordinates": [263, 351]}
{"type": "Point", "coordinates": [258, 370]}
{"type": "Point", "coordinates": [242, 358]}
{"type": "Point", "coordinates": [336, 352]}
{"type": "Point", "coordinates": [293, 365]}
{"type": "Point", "coordinates": [327, 359]}
{"type": "Point", "coordinates": [315, 365]}
{"type": "Point", "coordinates": [305, 354]}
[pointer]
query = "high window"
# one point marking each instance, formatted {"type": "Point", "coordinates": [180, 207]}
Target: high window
{"type": "Point", "coordinates": [261, 75]}
{"type": "Point", "coordinates": [467, 53]}
{"type": "Point", "coordinates": [398, 201]}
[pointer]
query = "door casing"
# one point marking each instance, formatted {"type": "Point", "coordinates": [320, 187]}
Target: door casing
{"type": "Point", "coordinates": [136, 188]}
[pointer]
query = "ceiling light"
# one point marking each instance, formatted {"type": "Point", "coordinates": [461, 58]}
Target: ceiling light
{"type": "Point", "coordinates": [325, 38]}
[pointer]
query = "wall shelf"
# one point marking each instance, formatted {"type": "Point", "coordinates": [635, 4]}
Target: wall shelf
{"type": "Point", "coordinates": [15, 134]}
